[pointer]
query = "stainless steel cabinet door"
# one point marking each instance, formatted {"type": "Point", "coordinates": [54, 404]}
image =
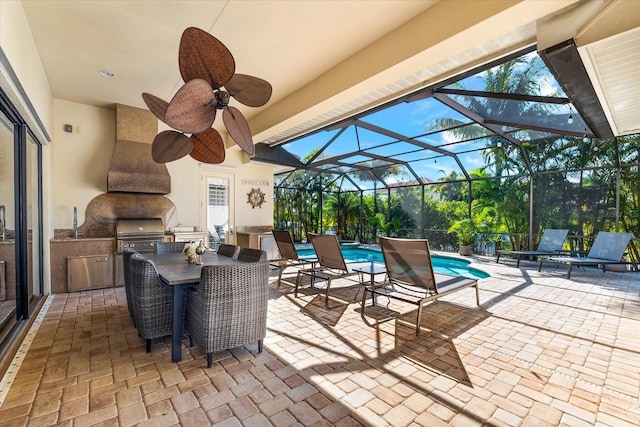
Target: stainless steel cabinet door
{"type": "Point", "coordinates": [89, 272]}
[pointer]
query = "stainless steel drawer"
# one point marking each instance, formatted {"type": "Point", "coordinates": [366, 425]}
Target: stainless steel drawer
{"type": "Point", "coordinates": [89, 272]}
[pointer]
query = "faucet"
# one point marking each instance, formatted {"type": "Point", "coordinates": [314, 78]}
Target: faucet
{"type": "Point", "coordinates": [75, 222]}
{"type": "Point", "coordinates": [3, 224]}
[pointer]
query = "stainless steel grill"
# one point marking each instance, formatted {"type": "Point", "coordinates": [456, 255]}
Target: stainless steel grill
{"type": "Point", "coordinates": [139, 234]}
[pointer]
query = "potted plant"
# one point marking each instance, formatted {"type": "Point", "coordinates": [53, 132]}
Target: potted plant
{"type": "Point", "coordinates": [466, 232]}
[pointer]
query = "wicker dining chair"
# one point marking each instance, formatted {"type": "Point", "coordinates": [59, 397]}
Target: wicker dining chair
{"type": "Point", "coordinates": [151, 300]}
{"type": "Point", "coordinates": [251, 255]}
{"type": "Point", "coordinates": [229, 307]}
{"type": "Point", "coordinates": [168, 247]}
{"type": "Point", "coordinates": [126, 271]}
{"type": "Point", "coordinates": [230, 251]}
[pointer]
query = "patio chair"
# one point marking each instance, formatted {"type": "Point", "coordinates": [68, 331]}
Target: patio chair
{"type": "Point", "coordinates": [251, 255]}
{"type": "Point", "coordinates": [229, 307]}
{"type": "Point", "coordinates": [331, 262]}
{"type": "Point", "coordinates": [607, 249]}
{"type": "Point", "coordinates": [230, 251]}
{"type": "Point", "coordinates": [288, 255]}
{"type": "Point", "coordinates": [151, 299]}
{"type": "Point", "coordinates": [168, 247]}
{"type": "Point", "coordinates": [411, 277]}
{"type": "Point", "coordinates": [550, 244]}
{"type": "Point", "coordinates": [126, 271]}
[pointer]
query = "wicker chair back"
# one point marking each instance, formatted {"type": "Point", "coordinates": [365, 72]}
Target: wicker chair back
{"type": "Point", "coordinates": [151, 300]}
{"type": "Point", "coordinates": [230, 251]}
{"type": "Point", "coordinates": [168, 247]}
{"type": "Point", "coordinates": [251, 255]}
{"type": "Point", "coordinates": [126, 270]}
{"type": "Point", "coordinates": [229, 307]}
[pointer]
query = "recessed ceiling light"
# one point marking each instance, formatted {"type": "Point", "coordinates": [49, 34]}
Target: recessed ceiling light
{"type": "Point", "coordinates": [107, 73]}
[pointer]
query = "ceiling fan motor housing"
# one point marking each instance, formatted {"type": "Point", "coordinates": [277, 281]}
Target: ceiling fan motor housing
{"type": "Point", "coordinates": [222, 97]}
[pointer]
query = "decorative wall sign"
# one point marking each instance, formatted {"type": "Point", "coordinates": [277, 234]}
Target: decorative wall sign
{"type": "Point", "coordinates": [256, 198]}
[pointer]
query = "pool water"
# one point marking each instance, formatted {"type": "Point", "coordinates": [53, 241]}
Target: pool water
{"type": "Point", "coordinates": [441, 264]}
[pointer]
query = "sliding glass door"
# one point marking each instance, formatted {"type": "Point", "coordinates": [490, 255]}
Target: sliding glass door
{"type": "Point", "coordinates": [7, 227]}
{"type": "Point", "coordinates": [21, 275]}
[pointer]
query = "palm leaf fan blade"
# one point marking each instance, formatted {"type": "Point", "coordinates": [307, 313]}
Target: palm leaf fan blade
{"type": "Point", "coordinates": [208, 147]}
{"type": "Point", "coordinates": [202, 56]}
{"type": "Point", "coordinates": [170, 145]}
{"type": "Point", "coordinates": [191, 110]}
{"type": "Point", "coordinates": [156, 105]}
{"type": "Point", "coordinates": [249, 90]}
{"type": "Point", "coordinates": [238, 128]}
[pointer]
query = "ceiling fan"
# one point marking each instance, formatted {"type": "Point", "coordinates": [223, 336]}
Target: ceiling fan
{"type": "Point", "coordinates": [208, 70]}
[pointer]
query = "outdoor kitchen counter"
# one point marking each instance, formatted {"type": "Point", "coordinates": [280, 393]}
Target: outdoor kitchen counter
{"type": "Point", "coordinates": [81, 239]}
{"type": "Point", "coordinates": [63, 247]}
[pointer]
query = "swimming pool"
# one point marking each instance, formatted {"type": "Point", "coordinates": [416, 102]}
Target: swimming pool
{"type": "Point", "coordinates": [441, 264]}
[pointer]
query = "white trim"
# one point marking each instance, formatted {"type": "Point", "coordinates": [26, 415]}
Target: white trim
{"type": "Point", "coordinates": [18, 96]}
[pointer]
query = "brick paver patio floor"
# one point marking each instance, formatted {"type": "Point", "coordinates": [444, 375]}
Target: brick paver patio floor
{"type": "Point", "coordinates": [539, 351]}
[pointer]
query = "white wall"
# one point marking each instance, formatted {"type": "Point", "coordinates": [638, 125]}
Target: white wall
{"type": "Point", "coordinates": [24, 80]}
{"type": "Point", "coordinates": [75, 164]}
{"type": "Point", "coordinates": [255, 176]}
{"type": "Point", "coordinates": [185, 189]}
{"type": "Point", "coordinates": [79, 160]}
{"type": "Point", "coordinates": [19, 48]}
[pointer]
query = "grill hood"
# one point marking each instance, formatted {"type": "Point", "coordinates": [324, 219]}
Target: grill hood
{"type": "Point", "coordinates": [132, 169]}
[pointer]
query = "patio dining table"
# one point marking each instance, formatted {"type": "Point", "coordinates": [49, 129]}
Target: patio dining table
{"type": "Point", "coordinates": [178, 274]}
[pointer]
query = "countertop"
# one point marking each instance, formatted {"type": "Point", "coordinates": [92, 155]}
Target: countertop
{"type": "Point", "coordinates": [80, 239]}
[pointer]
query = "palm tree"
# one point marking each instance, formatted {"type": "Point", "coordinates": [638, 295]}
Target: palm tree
{"type": "Point", "coordinates": [523, 75]}
{"type": "Point", "coordinates": [346, 208]}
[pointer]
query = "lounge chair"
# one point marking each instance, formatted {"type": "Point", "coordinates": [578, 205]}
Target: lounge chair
{"type": "Point", "coordinates": [411, 277]}
{"type": "Point", "coordinates": [550, 244]}
{"type": "Point", "coordinates": [331, 262]}
{"type": "Point", "coordinates": [607, 249]}
{"type": "Point", "coordinates": [288, 255]}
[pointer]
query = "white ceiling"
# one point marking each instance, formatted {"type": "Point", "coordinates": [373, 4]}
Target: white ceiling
{"type": "Point", "coordinates": [324, 59]}
{"type": "Point", "coordinates": [287, 43]}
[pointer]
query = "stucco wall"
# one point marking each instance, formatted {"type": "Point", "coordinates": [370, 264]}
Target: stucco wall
{"type": "Point", "coordinates": [24, 80]}
{"type": "Point", "coordinates": [24, 63]}
{"type": "Point", "coordinates": [80, 161]}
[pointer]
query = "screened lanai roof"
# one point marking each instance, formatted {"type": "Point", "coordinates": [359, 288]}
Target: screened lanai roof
{"type": "Point", "coordinates": [502, 119]}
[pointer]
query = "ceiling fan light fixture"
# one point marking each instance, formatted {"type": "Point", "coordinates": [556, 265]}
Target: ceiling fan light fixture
{"type": "Point", "coordinates": [208, 70]}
